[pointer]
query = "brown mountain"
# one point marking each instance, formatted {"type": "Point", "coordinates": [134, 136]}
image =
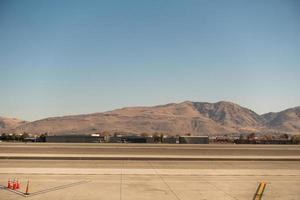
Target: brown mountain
{"type": "Point", "coordinates": [188, 117]}
{"type": "Point", "coordinates": [9, 123]}
{"type": "Point", "coordinates": [284, 121]}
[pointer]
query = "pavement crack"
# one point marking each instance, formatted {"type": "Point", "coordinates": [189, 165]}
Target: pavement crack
{"type": "Point", "coordinates": [164, 181]}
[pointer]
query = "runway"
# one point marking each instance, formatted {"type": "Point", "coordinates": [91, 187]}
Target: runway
{"type": "Point", "coordinates": [148, 152]}
{"type": "Point", "coordinates": [124, 179]}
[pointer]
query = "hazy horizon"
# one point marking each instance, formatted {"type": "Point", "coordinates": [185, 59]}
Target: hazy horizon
{"type": "Point", "coordinates": [76, 57]}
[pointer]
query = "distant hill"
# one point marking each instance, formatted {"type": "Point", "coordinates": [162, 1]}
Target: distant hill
{"type": "Point", "coordinates": [196, 118]}
{"type": "Point", "coordinates": [9, 123]}
{"type": "Point", "coordinates": [285, 121]}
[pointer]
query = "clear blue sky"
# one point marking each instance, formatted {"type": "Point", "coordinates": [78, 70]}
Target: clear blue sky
{"type": "Point", "coordinates": [68, 57]}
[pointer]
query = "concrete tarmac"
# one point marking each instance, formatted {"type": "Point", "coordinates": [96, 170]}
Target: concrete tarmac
{"type": "Point", "coordinates": [147, 151]}
{"type": "Point", "coordinates": [124, 179]}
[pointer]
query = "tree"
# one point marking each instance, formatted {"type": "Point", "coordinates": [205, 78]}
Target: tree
{"type": "Point", "coordinates": [161, 137]}
{"type": "Point", "coordinates": [23, 136]}
{"type": "Point", "coordinates": [156, 137]}
{"type": "Point", "coordinates": [144, 134]}
{"type": "Point", "coordinates": [42, 137]}
{"type": "Point", "coordinates": [4, 137]}
{"type": "Point", "coordinates": [284, 136]}
{"type": "Point", "coordinates": [296, 139]}
{"type": "Point", "coordinates": [251, 136]}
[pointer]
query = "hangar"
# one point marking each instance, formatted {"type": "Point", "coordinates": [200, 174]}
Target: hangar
{"type": "Point", "coordinates": [93, 138]}
{"type": "Point", "coordinates": [193, 139]}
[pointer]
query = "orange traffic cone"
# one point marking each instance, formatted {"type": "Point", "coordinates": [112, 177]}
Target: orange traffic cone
{"type": "Point", "coordinates": [14, 184]}
{"type": "Point", "coordinates": [18, 185]}
{"type": "Point", "coordinates": [8, 184]}
{"type": "Point", "coordinates": [27, 188]}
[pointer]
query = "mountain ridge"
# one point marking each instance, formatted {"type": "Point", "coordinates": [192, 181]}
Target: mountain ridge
{"type": "Point", "coordinates": [196, 118]}
{"type": "Point", "coordinates": [8, 123]}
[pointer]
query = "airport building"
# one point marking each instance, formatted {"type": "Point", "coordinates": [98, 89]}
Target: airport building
{"type": "Point", "coordinates": [170, 140]}
{"type": "Point", "coordinates": [93, 138]}
{"type": "Point", "coordinates": [131, 139]}
{"type": "Point", "coordinates": [193, 139]}
{"type": "Point", "coordinates": [96, 138]}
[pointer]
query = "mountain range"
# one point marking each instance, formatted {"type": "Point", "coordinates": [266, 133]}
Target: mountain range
{"type": "Point", "coordinates": [196, 118]}
{"type": "Point", "coordinates": [9, 123]}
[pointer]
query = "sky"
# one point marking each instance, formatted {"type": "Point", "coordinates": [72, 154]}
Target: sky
{"type": "Point", "coordinates": [64, 57]}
